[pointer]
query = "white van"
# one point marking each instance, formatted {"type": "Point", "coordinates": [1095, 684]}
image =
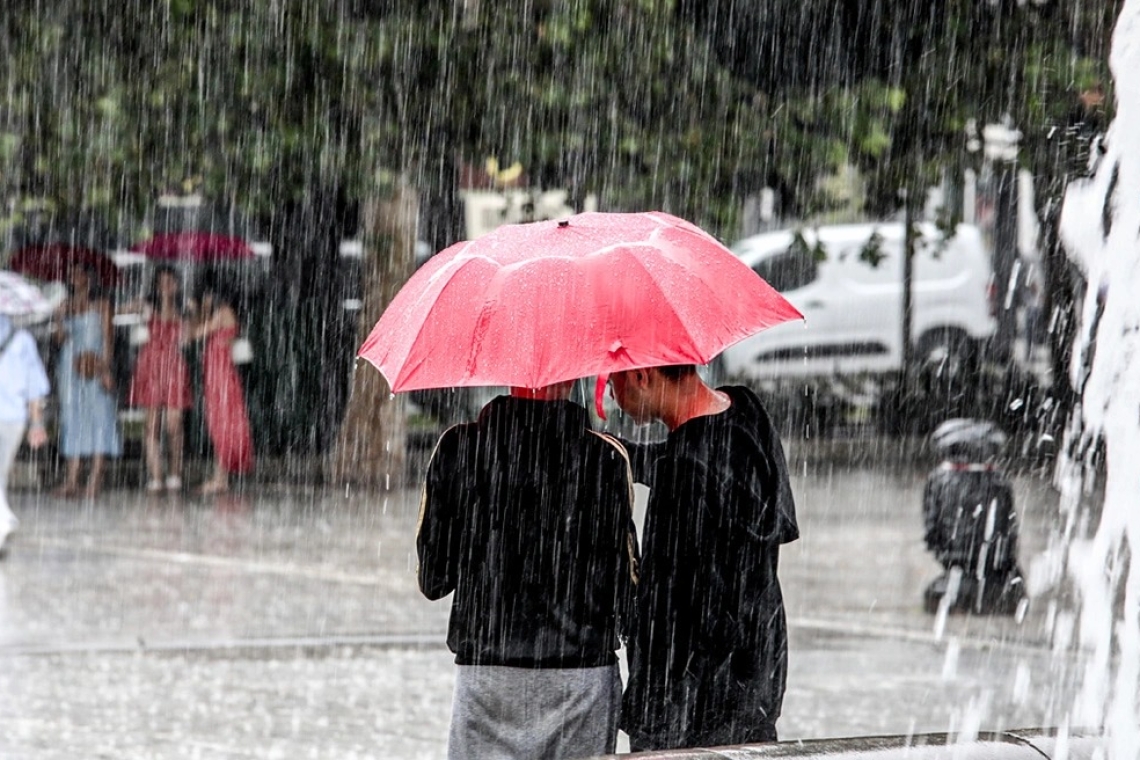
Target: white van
{"type": "Point", "coordinates": [853, 308]}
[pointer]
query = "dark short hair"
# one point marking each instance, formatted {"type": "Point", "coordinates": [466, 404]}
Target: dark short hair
{"type": "Point", "coordinates": [153, 296]}
{"type": "Point", "coordinates": [94, 284]}
{"type": "Point", "coordinates": [219, 286]}
{"type": "Point", "coordinates": [677, 371]}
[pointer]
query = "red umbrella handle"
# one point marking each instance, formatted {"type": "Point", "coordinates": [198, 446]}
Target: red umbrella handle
{"type": "Point", "coordinates": [599, 394]}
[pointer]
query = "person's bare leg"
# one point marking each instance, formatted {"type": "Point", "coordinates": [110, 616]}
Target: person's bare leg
{"type": "Point", "coordinates": [219, 483]}
{"type": "Point", "coordinates": [95, 477]}
{"type": "Point", "coordinates": [153, 442]}
{"type": "Point", "coordinates": [174, 444]}
{"type": "Point", "coordinates": [70, 485]}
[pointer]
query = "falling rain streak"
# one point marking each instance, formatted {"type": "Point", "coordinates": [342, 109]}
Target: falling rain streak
{"type": "Point", "coordinates": [942, 188]}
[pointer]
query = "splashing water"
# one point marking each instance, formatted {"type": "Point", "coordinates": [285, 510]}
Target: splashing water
{"type": "Point", "coordinates": [1106, 567]}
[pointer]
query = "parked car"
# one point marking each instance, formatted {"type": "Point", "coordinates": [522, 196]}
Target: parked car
{"type": "Point", "coordinates": [851, 296]}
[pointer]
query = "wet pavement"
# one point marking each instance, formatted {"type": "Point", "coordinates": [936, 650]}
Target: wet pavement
{"type": "Point", "coordinates": [285, 622]}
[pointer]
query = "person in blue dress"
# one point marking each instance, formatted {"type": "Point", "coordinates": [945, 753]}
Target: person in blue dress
{"type": "Point", "coordinates": [88, 427]}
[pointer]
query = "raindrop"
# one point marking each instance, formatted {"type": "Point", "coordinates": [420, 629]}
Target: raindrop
{"type": "Point", "coordinates": [950, 663]}
{"type": "Point", "coordinates": [1022, 608]}
{"type": "Point", "coordinates": [1021, 681]}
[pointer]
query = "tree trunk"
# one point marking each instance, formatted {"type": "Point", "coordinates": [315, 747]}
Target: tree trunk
{"type": "Point", "coordinates": [296, 398]}
{"type": "Point", "coordinates": [910, 244]}
{"type": "Point", "coordinates": [370, 449]}
{"type": "Point", "coordinates": [1006, 267]}
{"type": "Point", "coordinates": [898, 403]}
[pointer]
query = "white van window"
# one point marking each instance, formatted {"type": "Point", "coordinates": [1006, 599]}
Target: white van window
{"type": "Point", "coordinates": [790, 270]}
{"type": "Point", "coordinates": [885, 266]}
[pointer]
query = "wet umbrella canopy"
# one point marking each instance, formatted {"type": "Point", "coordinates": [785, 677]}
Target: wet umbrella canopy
{"type": "Point", "coordinates": [20, 298]}
{"type": "Point", "coordinates": [966, 438]}
{"type": "Point", "coordinates": [194, 246]}
{"type": "Point", "coordinates": [535, 304]}
{"type": "Point", "coordinates": [52, 261]}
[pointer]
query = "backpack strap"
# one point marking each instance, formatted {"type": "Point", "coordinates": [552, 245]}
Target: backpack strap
{"type": "Point", "coordinates": [631, 540]}
{"type": "Point", "coordinates": [8, 339]}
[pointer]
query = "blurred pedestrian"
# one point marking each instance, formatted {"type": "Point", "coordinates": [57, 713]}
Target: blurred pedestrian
{"type": "Point", "coordinates": [23, 386]}
{"type": "Point", "coordinates": [708, 654]}
{"type": "Point", "coordinates": [87, 413]}
{"type": "Point", "coordinates": [970, 522]}
{"type": "Point", "coordinates": [226, 418]}
{"type": "Point", "coordinates": [527, 518]}
{"type": "Point", "coordinates": [161, 381]}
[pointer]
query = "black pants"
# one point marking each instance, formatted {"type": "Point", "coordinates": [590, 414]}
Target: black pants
{"type": "Point", "coordinates": [764, 733]}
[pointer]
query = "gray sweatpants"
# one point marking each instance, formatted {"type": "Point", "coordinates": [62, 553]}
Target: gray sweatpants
{"type": "Point", "coordinates": [502, 713]}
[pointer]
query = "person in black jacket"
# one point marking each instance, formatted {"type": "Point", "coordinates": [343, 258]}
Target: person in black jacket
{"type": "Point", "coordinates": [708, 655]}
{"type": "Point", "coordinates": [970, 522]}
{"type": "Point", "coordinates": [527, 517]}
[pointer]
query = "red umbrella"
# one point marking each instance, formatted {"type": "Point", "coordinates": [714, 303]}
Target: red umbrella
{"type": "Point", "coordinates": [198, 246]}
{"type": "Point", "coordinates": [52, 261]}
{"type": "Point", "coordinates": [534, 304]}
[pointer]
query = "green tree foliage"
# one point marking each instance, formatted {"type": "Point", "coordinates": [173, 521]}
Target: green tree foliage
{"type": "Point", "coordinates": [259, 103]}
{"type": "Point", "coordinates": [889, 86]}
{"type": "Point", "coordinates": [683, 105]}
{"type": "Point", "coordinates": [299, 111]}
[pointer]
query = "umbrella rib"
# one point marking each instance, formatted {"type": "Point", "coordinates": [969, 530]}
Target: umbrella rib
{"type": "Point", "coordinates": [661, 291]}
{"type": "Point", "coordinates": [482, 321]}
{"type": "Point", "coordinates": [423, 325]}
{"type": "Point", "coordinates": [687, 305]}
{"type": "Point", "coordinates": [711, 293]}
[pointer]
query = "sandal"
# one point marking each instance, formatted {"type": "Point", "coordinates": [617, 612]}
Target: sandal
{"type": "Point", "coordinates": [211, 488]}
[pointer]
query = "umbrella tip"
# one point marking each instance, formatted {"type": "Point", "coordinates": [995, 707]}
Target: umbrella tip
{"type": "Point", "coordinates": [563, 222]}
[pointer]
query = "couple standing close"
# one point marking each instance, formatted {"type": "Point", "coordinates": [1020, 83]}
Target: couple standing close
{"type": "Point", "coordinates": [528, 518]}
{"type": "Point", "coordinates": [161, 381]}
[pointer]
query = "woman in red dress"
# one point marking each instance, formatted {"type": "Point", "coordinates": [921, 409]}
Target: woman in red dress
{"type": "Point", "coordinates": [161, 382]}
{"type": "Point", "coordinates": [226, 419]}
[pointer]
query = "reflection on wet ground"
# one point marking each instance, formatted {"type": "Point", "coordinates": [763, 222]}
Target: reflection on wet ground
{"type": "Point", "coordinates": [286, 623]}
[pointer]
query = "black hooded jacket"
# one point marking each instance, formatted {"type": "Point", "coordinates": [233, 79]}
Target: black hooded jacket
{"type": "Point", "coordinates": [527, 517]}
{"type": "Point", "coordinates": [708, 657]}
{"type": "Point", "coordinates": [970, 520]}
